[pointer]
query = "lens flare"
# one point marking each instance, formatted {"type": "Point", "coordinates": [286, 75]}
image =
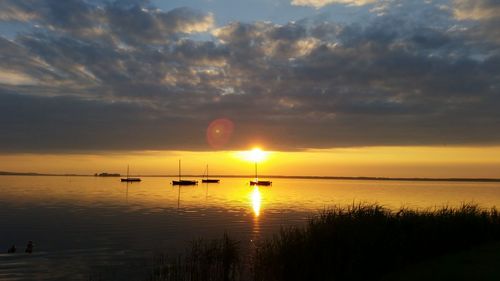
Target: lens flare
{"type": "Point", "coordinates": [219, 132]}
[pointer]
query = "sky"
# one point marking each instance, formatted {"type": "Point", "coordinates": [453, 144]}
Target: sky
{"type": "Point", "coordinates": [330, 87]}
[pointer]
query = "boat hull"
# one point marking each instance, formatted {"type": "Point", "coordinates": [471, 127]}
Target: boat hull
{"type": "Point", "coordinates": [131, 180]}
{"type": "Point", "coordinates": [210, 181]}
{"type": "Point", "coordinates": [184, 182]}
{"type": "Point", "coordinates": [263, 183]}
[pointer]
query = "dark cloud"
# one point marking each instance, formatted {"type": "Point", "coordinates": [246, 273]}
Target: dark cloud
{"type": "Point", "coordinates": [125, 75]}
{"type": "Point", "coordinates": [138, 25]}
{"type": "Point", "coordinates": [129, 22]}
{"type": "Point", "coordinates": [38, 124]}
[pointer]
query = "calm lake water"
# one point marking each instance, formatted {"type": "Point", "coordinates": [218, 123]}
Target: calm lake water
{"type": "Point", "coordinates": [84, 226]}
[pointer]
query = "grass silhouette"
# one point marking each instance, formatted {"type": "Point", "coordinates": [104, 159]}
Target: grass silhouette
{"type": "Point", "coordinates": [205, 260]}
{"type": "Point", "coordinates": [364, 242]}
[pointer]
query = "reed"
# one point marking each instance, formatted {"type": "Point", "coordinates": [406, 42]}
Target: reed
{"type": "Point", "coordinates": [364, 242]}
{"type": "Point", "coordinates": [205, 260]}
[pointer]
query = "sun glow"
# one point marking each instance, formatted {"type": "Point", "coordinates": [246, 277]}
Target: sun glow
{"type": "Point", "coordinates": [255, 155]}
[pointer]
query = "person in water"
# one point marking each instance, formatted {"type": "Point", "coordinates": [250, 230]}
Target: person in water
{"type": "Point", "coordinates": [12, 249]}
{"type": "Point", "coordinates": [29, 247]}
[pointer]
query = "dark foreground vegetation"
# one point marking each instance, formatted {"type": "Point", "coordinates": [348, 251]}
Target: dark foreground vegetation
{"type": "Point", "coordinates": [361, 242]}
{"type": "Point", "coordinates": [365, 242]}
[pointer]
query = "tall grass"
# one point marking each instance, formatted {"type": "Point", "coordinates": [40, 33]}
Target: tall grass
{"type": "Point", "coordinates": [363, 242]}
{"type": "Point", "coordinates": [205, 260]}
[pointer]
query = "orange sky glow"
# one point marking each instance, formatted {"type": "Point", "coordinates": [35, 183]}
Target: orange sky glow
{"type": "Point", "coordinates": [468, 162]}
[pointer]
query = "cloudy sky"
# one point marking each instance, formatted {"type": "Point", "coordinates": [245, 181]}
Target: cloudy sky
{"type": "Point", "coordinates": [87, 77]}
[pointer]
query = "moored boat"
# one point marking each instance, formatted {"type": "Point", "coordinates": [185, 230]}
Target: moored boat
{"type": "Point", "coordinates": [207, 180]}
{"type": "Point", "coordinates": [129, 179]}
{"type": "Point", "coordinates": [256, 181]}
{"type": "Point", "coordinates": [181, 181]}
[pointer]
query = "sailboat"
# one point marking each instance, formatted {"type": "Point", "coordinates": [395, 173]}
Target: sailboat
{"type": "Point", "coordinates": [256, 181]}
{"type": "Point", "coordinates": [183, 182]}
{"type": "Point", "coordinates": [129, 179]}
{"type": "Point", "coordinates": [207, 180]}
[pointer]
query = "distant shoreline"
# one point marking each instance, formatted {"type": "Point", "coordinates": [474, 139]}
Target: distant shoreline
{"type": "Point", "coordinates": [278, 177]}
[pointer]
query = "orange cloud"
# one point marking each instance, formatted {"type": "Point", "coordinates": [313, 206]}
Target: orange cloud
{"type": "Point", "coordinates": [321, 3]}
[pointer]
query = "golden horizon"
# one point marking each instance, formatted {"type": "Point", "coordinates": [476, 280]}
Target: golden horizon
{"type": "Point", "coordinates": [418, 161]}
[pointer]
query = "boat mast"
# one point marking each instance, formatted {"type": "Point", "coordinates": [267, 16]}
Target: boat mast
{"type": "Point", "coordinates": [127, 170]}
{"type": "Point", "coordinates": [179, 169]}
{"type": "Point", "coordinates": [207, 171]}
{"type": "Point", "coordinates": [255, 170]}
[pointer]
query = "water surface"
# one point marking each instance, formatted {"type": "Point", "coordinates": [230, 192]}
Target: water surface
{"type": "Point", "coordinates": [94, 225]}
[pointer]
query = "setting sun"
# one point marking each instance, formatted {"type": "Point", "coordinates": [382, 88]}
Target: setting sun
{"type": "Point", "coordinates": [255, 155]}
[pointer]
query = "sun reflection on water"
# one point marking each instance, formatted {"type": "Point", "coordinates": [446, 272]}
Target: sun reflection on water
{"type": "Point", "coordinates": [256, 200]}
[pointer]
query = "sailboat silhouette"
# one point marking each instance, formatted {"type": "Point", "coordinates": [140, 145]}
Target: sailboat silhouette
{"type": "Point", "coordinates": [129, 179]}
{"type": "Point", "coordinates": [207, 180]}
{"type": "Point", "coordinates": [181, 181]}
{"type": "Point", "coordinates": [256, 181]}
